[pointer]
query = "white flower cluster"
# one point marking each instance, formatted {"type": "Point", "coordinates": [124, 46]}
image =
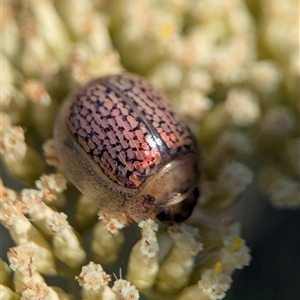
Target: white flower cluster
{"type": "Point", "coordinates": [113, 224]}
{"type": "Point", "coordinates": [235, 177]}
{"type": "Point", "coordinates": [186, 237]}
{"type": "Point", "coordinates": [149, 245]}
{"type": "Point", "coordinates": [215, 284]}
{"type": "Point", "coordinates": [93, 277]}
{"type": "Point", "coordinates": [284, 192]}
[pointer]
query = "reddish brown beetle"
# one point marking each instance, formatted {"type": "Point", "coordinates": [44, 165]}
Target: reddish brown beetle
{"type": "Point", "coordinates": [123, 146]}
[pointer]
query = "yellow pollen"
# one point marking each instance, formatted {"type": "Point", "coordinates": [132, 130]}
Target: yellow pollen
{"type": "Point", "coordinates": [166, 30]}
{"type": "Point", "coordinates": [236, 244]}
{"type": "Point", "coordinates": [94, 62]}
{"type": "Point", "coordinates": [218, 269]}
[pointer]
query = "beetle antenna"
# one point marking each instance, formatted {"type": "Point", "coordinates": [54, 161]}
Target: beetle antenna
{"type": "Point", "coordinates": [120, 274]}
{"type": "Point", "coordinates": [116, 278]}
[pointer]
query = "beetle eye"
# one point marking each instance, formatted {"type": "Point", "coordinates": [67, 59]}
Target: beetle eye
{"type": "Point", "coordinates": [165, 216]}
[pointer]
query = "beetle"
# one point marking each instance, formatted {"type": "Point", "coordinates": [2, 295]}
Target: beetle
{"type": "Point", "coordinates": [122, 145]}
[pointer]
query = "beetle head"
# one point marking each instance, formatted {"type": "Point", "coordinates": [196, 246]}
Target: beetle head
{"type": "Point", "coordinates": [171, 194]}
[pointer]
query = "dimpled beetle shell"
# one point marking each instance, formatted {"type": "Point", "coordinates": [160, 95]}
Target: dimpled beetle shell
{"type": "Point", "coordinates": [122, 145]}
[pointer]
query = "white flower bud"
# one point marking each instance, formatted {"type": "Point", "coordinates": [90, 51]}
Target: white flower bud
{"type": "Point", "coordinates": [214, 283]}
{"type": "Point", "coordinates": [67, 246]}
{"type": "Point", "coordinates": [234, 177]}
{"type": "Point", "coordinates": [106, 244]}
{"type": "Point", "coordinates": [284, 192]}
{"type": "Point", "coordinates": [22, 259]}
{"type": "Point", "coordinates": [39, 291]}
{"type": "Point", "coordinates": [23, 232]}
{"type": "Point", "coordinates": [143, 262]}
{"type": "Point", "coordinates": [243, 106]}
{"type": "Point", "coordinates": [234, 255]}
{"type": "Point", "coordinates": [176, 268]}
{"type": "Point", "coordinates": [93, 277]}
{"type": "Point", "coordinates": [50, 154]}
{"type": "Point", "coordinates": [124, 290]}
